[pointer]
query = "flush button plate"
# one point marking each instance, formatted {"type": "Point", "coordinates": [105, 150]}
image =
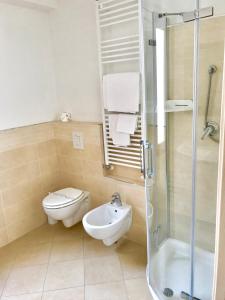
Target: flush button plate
{"type": "Point", "coordinates": [78, 140]}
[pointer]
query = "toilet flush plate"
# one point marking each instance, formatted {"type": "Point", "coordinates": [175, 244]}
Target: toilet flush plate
{"type": "Point", "coordinates": [78, 140]}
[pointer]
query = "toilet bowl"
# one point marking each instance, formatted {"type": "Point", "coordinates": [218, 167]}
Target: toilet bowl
{"type": "Point", "coordinates": [108, 222]}
{"type": "Point", "coordinates": [68, 205]}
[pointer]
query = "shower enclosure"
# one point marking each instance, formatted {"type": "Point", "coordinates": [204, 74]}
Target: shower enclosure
{"type": "Point", "coordinates": [183, 63]}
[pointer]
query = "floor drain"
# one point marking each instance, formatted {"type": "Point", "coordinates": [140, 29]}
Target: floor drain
{"type": "Point", "coordinates": [168, 292]}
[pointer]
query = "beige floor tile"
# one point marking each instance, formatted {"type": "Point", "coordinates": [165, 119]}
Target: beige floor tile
{"type": "Point", "coordinates": [6, 263]}
{"type": "Point", "coordinates": [96, 248]}
{"type": "Point", "coordinates": [67, 294]}
{"type": "Point", "coordinates": [138, 289]}
{"type": "Point", "coordinates": [43, 234]}
{"type": "Point", "coordinates": [63, 275]}
{"type": "Point", "coordinates": [62, 233]}
{"type": "Point", "coordinates": [102, 269]}
{"type": "Point", "coordinates": [36, 296]}
{"type": "Point", "coordinates": [25, 280]}
{"type": "Point", "coordinates": [133, 264]}
{"type": "Point", "coordinates": [125, 246]}
{"type": "Point", "coordinates": [32, 255]}
{"type": "Point", "coordinates": [107, 291]}
{"type": "Point", "coordinates": [66, 250]}
{"type": "Point", "coordinates": [8, 253]}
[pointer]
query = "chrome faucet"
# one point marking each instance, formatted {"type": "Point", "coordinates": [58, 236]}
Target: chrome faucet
{"type": "Point", "coordinates": [116, 199]}
{"type": "Point", "coordinates": [210, 129]}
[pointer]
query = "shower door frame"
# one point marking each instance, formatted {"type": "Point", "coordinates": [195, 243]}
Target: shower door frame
{"type": "Point", "coordinates": [219, 268]}
{"type": "Point", "coordinates": [196, 47]}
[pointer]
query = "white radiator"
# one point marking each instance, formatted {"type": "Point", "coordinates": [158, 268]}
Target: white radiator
{"type": "Point", "coordinates": [129, 156]}
{"type": "Point", "coordinates": [119, 51]}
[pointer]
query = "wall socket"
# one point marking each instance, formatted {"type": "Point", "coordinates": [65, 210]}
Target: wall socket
{"type": "Point", "coordinates": [78, 140]}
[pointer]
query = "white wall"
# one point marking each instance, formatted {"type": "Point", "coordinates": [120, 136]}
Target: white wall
{"type": "Point", "coordinates": [76, 58]}
{"type": "Point", "coordinates": [42, 4]}
{"type": "Point", "coordinates": [27, 83]}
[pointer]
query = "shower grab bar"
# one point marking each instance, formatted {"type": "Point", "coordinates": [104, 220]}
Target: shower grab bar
{"type": "Point", "coordinates": [210, 127]}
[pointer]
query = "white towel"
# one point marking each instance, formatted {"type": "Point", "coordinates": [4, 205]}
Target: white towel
{"type": "Point", "coordinates": [118, 138]}
{"type": "Point", "coordinates": [126, 123]}
{"type": "Point", "coordinates": [121, 92]}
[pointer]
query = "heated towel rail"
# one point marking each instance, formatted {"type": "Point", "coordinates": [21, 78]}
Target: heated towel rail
{"type": "Point", "coordinates": [119, 51]}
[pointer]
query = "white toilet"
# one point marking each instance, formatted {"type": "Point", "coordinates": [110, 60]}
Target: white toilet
{"type": "Point", "coordinates": [108, 222]}
{"type": "Point", "coordinates": [68, 205]}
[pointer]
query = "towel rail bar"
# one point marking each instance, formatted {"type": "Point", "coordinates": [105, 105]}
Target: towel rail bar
{"type": "Point", "coordinates": [119, 60]}
{"type": "Point", "coordinates": [118, 22]}
{"type": "Point", "coordinates": [102, 8]}
{"type": "Point", "coordinates": [121, 49]}
{"type": "Point", "coordinates": [117, 10]}
{"type": "Point", "coordinates": [119, 39]}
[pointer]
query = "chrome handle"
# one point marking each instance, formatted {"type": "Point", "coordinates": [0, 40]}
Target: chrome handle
{"type": "Point", "coordinates": [142, 154]}
{"type": "Point", "coordinates": [149, 172]}
{"type": "Point", "coordinates": [150, 160]}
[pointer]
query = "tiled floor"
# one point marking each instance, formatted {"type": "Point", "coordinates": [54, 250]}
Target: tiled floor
{"type": "Point", "coordinates": [55, 263]}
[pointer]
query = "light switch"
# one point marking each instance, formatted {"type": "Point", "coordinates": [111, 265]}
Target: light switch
{"type": "Point", "coordinates": [78, 140]}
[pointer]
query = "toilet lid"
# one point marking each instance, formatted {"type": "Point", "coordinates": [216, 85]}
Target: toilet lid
{"type": "Point", "coordinates": [62, 197]}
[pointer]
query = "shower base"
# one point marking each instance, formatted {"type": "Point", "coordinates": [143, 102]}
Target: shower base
{"type": "Point", "coordinates": [170, 269]}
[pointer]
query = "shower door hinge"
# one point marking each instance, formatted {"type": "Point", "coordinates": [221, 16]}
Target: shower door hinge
{"type": "Point", "coordinates": [152, 42]}
{"type": "Point", "coordinates": [192, 15]}
{"type": "Point", "coordinates": [198, 14]}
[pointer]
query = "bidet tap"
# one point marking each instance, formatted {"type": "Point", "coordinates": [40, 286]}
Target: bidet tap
{"type": "Point", "coordinates": [116, 199]}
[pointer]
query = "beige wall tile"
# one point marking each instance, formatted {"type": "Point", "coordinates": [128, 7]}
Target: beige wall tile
{"type": "Point", "coordinates": [3, 237]}
{"type": "Point", "coordinates": [39, 159]}
{"type": "Point", "coordinates": [47, 148]}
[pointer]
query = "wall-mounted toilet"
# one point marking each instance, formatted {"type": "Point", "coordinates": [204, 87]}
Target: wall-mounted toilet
{"type": "Point", "coordinates": [108, 222]}
{"type": "Point", "coordinates": [68, 205]}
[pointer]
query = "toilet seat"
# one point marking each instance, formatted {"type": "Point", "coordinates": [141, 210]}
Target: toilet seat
{"type": "Point", "coordinates": [63, 198]}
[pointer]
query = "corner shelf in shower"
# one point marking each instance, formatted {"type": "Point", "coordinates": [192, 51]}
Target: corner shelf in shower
{"type": "Point", "coordinates": [178, 105]}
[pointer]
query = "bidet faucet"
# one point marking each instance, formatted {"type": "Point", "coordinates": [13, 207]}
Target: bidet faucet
{"type": "Point", "coordinates": [116, 199]}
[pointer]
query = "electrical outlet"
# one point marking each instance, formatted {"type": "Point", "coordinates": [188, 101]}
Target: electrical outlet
{"type": "Point", "coordinates": [78, 140]}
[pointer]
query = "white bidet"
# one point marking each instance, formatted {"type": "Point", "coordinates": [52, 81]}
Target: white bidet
{"type": "Point", "coordinates": [108, 222]}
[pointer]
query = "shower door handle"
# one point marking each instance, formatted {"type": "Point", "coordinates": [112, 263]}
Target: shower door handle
{"type": "Point", "coordinates": [142, 157]}
{"type": "Point", "coordinates": [149, 148]}
{"type": "Point", "coordinates": [146, 159]}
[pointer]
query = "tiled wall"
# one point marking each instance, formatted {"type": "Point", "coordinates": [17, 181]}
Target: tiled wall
{"type": "Point", "coordinates": [28, 170]}
{"type": "Point", "coordinates": [37, 159]}
{"type": "Point", "coordinates": [83, 169]}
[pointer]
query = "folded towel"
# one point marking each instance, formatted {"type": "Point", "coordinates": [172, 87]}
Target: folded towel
{"type": "Point", "coordinates": [126, 123]}
{"type": "Point", "coordinates": [121, 92]}
{"type": "Point", "coordinates": [118, 138]}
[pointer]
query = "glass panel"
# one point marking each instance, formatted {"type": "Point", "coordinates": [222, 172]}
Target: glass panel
{"type": "Point", "coordinates": [169, 76]}
{"type": "Point", "coordinates": [210, 95]}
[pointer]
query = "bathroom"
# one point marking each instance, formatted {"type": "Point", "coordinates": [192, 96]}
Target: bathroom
{"type": "Point", "coordinates": [147, 218]}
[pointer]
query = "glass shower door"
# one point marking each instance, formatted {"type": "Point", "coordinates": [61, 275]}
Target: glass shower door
{"type": "Point", "coordinates": [171, 59]}
{"type": "Point", "coordinates": [169, 264]}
